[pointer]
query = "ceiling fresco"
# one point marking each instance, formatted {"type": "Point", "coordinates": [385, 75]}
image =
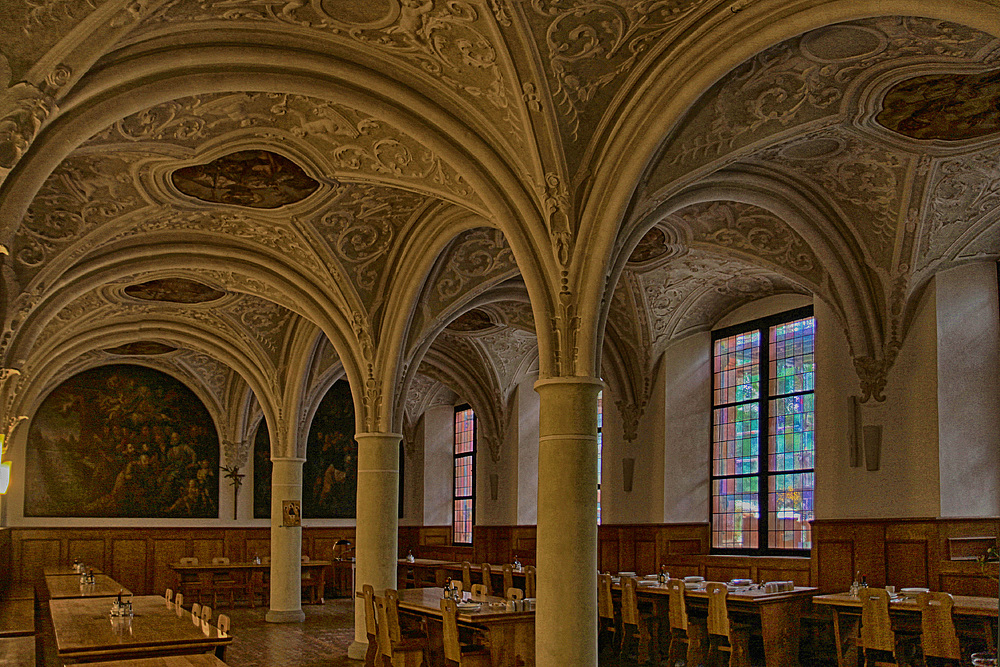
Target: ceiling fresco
{"type": "Point", "coordinates": [949, 107]}
{"type": "Point", "coordinates": [256, 179]}
{"type": "Point", "coordinates": [174, 290]}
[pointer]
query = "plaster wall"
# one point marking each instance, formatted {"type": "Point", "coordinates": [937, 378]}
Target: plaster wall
{"type": "Point", "coordinates": [413, 477]}
{"type": "Point", "coordinates": [502, 510]}
{"type": "Point", "coordinates": [525, 423]}
{"type": "Point", "coordinates": [968, 372]}
{"type": "Point", "coordinates": [686, 368]}
{"type": "Point", "coordinates": [438, 464]}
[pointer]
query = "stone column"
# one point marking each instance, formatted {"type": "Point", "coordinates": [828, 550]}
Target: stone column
{"type": "Point", "coordinates": [566, 611]}
{"type": "Point", "coordinates": [286, 544]}
{"type": "Point", "coordinates": [376, 537]}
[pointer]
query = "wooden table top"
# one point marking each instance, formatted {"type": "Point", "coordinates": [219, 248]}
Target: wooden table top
{"type": "Point", "coordinates": [427, 601]}
{"type": "Point", "coordinates": [17, 651]}
{"type": "Point", "coordinates": [197, 660]}
{"type": "Point", "coordinates": [202, 567]}
{"type": "Point", "coordinates": [965, 605]}
{"type": "Point", "coordinates": [744, 595]}
{"type": "Point", "coordinates": [17, 617]}
{"type": "Point", "coordinates": [428, 562]}
{"type": "Point", "coordinates": [68, 587]}
{"type": "Point", "coordinates": [84, 629]}
{"type": "Point", "coordinates": [66, 570]}
{"type": "Point", "coordinates": [20, 592]}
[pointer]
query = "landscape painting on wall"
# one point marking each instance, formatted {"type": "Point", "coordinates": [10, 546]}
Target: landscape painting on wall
{"type": "Point", "coordinates": [330, 473]}
{"type": "Point", "coordinates": [122, 441]}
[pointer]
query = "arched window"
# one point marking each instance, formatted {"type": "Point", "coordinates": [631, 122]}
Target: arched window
{"type": "Point", "coordinates": [465, 475]}
{"type": "Point", "coordinates": [763, 450]}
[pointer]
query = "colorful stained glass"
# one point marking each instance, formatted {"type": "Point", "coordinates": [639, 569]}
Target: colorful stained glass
{"type": "Point", "coordinates": [465, 478]}
{"type": "Point", "coordinates": [735, 512]}
{"type": "Point", "coordinates": [792, 357]}
{"type": "Point", "coordinates": [790, 509]}
{"type": "Point", "coordinates": [737, 368]}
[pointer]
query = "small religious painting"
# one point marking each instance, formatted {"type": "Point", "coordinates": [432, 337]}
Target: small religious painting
{"type": "Point", "coordinates": [122, 441]}
{"type": "Point", "coordinates": [291, 513]}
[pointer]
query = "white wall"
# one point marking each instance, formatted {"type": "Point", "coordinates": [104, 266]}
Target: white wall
{"type": "Point", "coordinates": [968, 371]}
{"type": "Point", "coordinates": [439, 442]}
{"type": "Point", "coordinates": [526, 425]}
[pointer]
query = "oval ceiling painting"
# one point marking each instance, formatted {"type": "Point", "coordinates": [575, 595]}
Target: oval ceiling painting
{"type": "Point", "coordinates": [948, 107]}
{"type": "Point", "coordinates": [122, 441]}
{"type": "Point", "coordinates": [256, 179]}
{"type": "Point", "coordinates": [141, 348]}
{"type": "Point", "coordinates": [174, 290]}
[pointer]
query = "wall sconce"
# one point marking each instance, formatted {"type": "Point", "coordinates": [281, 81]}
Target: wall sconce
{"type": "Point", "coordinates": [628, 468]}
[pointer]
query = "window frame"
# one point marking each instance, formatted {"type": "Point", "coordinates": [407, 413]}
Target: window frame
{"type": "Point", "coordinates": [454, 479]}
{"type": "Point", "coordinates": [763, 326]}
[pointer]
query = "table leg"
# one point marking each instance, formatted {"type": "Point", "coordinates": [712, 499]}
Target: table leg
{"type": "Point", "coordinates": [512, 644]}
{"type": "Point", "coordinates": [845, 633]}
{"type": "Point", "coordinates": [779, 624]}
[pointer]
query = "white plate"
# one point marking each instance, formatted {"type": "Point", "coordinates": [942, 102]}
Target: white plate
{"type": "Point", "coordinates": [913, 591]}
{"type": "Point", "coordinates": [694, 579]}
{"type": "Point", "coordinates": [691, 584]}
{"type": "Point", "coordinates": [468, 606]}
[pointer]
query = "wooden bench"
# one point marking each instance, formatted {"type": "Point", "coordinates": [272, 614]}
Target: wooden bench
{"type": "Point", "coordinates": [17, 618]}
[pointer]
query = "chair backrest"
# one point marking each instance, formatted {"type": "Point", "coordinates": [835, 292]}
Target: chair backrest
{"type": "Point", "coordinates": [467, 574]}
{"type": "Point", "coordinates": [196, 609]}
{"type": "Point", "coordinates": [449, 626]}
{"type": "Point", "coordinates": [305, 558]}
{"type": "Point", "coordinates": [488, 578]}
{"type": "Point", "coordinates": [189, 560]}
{"type": "Point", "coordinates": [169, 595]}
{"type": "Point", "coordinates": [938, 638]}
{"type": "Point", "coordinates": [220, 560]}
{"type": "Point", "coordinates": [678, 608]}
{"type": "Point", "coordinates": [605, 605]}
{"type": "Point", "coordinates": [179, 600]}
{"type": "Point", "coordinates": [508, 576]}
{"type": "Point", "coordinates": [876, 628]}
{"type": "Point", "coordinates": [529, 581]}
{"type": "Point", "coordinates": [718, 610]}
{"type": "Point", "coordinates": [384, 640]}
{"type": "Point", "coordinates": [630, 601]}
{"type": "Point", "coordinates": [206, 613]}
{"type": "Point", "coordinates": [223, 622]}
{"type": "Point", "coordinates": [456, 585]}
{"type": "Point", "coordinates": [368, 593]}
{"type": "Point", "coordinates": [392, 614]}
{"type": "Point", "coordinates": [478, 591]}
{"type": "Point", "coordinates": [515, 593]}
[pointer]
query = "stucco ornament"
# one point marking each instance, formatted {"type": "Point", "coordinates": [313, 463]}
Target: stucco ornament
{"type": "Point", "coordinates": [477, 258]}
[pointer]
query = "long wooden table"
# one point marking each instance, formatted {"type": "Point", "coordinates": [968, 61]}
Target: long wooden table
{"type": "Point", "coordinates": [66, 571]}
{"type": "Point", "coordinates": [245, 573]}
{"type": "Point", "coordinates": [973, 615]}
{"type": "Point", "coordinates": [778, 614]}
{"type": "Point", "coordinates": [17, 618]}
{"type": "Point", "coordinates": [425, 571]}
{"type": "Point", "coordinates": [511, 634]}
{"type": "Point", "coordinates": [85, 632]}
{"type": "Point", "coordinates": [199, 660]}
{"type": "Point", "coordinates": [69, 587]}
{"type": "Point", "coordinates": [17, 651]}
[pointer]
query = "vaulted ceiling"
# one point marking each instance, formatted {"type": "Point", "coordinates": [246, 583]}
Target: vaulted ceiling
{"type": "Point", "coordinates": [259, 195]}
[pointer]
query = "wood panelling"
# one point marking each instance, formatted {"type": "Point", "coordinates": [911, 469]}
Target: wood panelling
{"type": "Point", "coordinates": [128, 563]}
{"type": "Point", "coordinates": [89, 551]}
{"type": "Point", "coordinates": [909, 563]}
{"type": "Point", "coordinates": [165, 552]}
{"type": "Point", "coordinates": [837, 557]}
{"type": "Point", "coordinates": [30, 556]}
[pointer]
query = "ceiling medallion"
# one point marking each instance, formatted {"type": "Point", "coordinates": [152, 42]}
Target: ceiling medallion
{"type": "Point", "coordinates": [174, 290]}
{"type": "Point", "coordinates": [141, 348]}
{"type": "Point", "coordinates": [470, 321]}
{"type": "Point", "coordinates": [651, 246]}
{"type": "Point", "coordinates": [256, 179]}
{"type": "Point", "coordinates": [949, 107]}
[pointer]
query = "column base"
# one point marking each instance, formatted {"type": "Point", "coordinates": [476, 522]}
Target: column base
{"type": "Point", "coordinates": [294, 616]}
{"type": "Point", "coordinates": [357, 650]}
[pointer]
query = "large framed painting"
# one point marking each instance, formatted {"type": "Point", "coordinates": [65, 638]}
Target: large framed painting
{"type": "Point", "coordinates": [330, 473]}
{"type": "Point", "coordinates": [122, 441]}
{"type": "Point", "coordinates": [262, 467]}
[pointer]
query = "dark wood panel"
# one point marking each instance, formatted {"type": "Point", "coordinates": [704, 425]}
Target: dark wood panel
{"type": "Point", "coordinates": [36, 554]}
{"type": "Point", "coordinates": [207, 549]}
{"type": "Point", "coordinates": [128, 565]}
{"type": "Point", "coordinates": [835, 559]}
{"type": "Point", "coordinates": [165, 552]}
{"type": "Point", "coordinates": [909, 563]}
{"type": "Point", "coordinates": [90, 551]}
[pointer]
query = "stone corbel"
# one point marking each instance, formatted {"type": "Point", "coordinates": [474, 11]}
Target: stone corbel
{"type": "Point", "coordinates": [873, 373]}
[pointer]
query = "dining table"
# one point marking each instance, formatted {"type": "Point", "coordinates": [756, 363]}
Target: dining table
{"type": "Point", "coordinates": [198, 660]}
{"type": "Point", "coordinates": [69, 587]}
{"type": "Point", "coordinates": [67, 570]}
{"type": "Point", "coordinates": [424, 571]}
{"type": "Point", "coordinates": [778, 613]}
{"type": "Point", "coordinates": [17, 651]}
{"type": "Point", "coordinates": [17, 618]}
{"type": "Point", "coordinates": [250, 575]}
{"type": "Point", "coordinates": [510, 634]}
{"type": "Point", "coordinates": [85, 631]}
{"type": "Point", "coordinates": [974, 616]}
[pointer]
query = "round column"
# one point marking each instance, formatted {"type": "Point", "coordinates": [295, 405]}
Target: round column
{"type": "Point", "coordinates": [566, 610]}
{"type": "Point", "coordinates": [376, 537]}
{"type": "Point", "coordinates": [286, 544]}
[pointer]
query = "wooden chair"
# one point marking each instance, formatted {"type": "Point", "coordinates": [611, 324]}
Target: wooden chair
{"type": "Point", "coordinates": [396, 651]}
{"type": "Point", "coordinates": [687, 640]}
{"type": "Point", "coordinates": [725, 635]}
{"type": "Point", "coordinates": [456, 585]}
{"type": "Point", "coordinates": [607, 628]}
{"type": "Point", "coordinates": [529, 581]}
{"type": "Point", "coordinates": [938, 637]}
{"type": "Point", "coordinates": [196, 613]}
{"type": "Point", "coordinates": [488, 578]}
{"type": "Point", "coordinates": [508, 576]}
{"type": "Point", "coordinates": [179, 601]}
{"type": "Point", "coordinates": [222, 582]}
{"type": "Point", "coordinates": [514, 594]}
{"type": "Point", "coordinates": [877, 640]}
{"type": "Point", "coordinates": [467, 575]}
{"type": "Point", "coordinates": [478, 591]}
{"type": "Point", "coordinates": [223, 626]}
{"type": "Point", "coordinates": [191, 583]}
{"type": "Point", "coordinates": [457, 654]}
{"type": "Point", "coordinates": [371, 629]}
{"type": "Point", "coordinates": [643, 628]}
{"type": "Point", "coordinates": [169, 595]}
{"type": "Point", "coordinates": [311, 584]}
{"type": "Point", "coordinates": [206, 614]}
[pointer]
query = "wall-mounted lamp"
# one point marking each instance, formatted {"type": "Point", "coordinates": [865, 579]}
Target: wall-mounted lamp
{"type": "Point", "coordinates": [628, 468]}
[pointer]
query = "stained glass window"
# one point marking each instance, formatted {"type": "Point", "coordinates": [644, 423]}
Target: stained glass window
{"type": "Point", "coordinates": [465, 475]}
{"type": "Point", "coordinates": [763, 424]}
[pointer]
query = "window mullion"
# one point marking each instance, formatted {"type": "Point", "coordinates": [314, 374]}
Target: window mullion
{"type": "Point", "coordinates": [763, 438]}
